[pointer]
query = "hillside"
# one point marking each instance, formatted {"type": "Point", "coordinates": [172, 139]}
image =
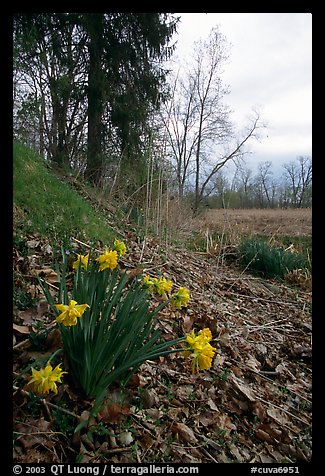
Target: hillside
{"type": "Point", "coordinates": [253, 405]}
{"type": "Point", "coordinates": [44, 203]}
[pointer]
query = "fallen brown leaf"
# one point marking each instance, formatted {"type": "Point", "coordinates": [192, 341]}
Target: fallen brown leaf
{"type": "Point", "coordinates": [188, 323]}
{"type": "Point", "coordinates": [184, 433]}
{"type": "Point", "coordinates": [262, 435]}
{"type": "Point", "coordinates": [244, 390]}
{"type": "Point", "coordinates": [34, 433]}
{"type": "Point", "coordinates": [114, 413]}
{"type": "Point", "coordinates": [21, 329]}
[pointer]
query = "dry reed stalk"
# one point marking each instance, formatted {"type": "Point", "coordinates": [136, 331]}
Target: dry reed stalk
{"type": "Point", "coordinates": [292, 222]}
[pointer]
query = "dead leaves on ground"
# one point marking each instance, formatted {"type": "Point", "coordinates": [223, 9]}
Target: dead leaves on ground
{"type": "Point", "coordinates": [254, 405]}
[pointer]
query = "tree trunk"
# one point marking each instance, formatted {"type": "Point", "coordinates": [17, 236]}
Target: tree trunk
{"type": "Point", "coordinates": [197, 168]}
{"type": "Point", "coordinates": [95, 99]}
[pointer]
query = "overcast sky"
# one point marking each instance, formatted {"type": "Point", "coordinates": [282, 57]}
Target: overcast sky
{"type": "Point", "coordinates": [269, 67]}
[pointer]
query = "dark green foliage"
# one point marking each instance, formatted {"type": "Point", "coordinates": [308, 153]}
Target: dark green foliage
{"type": "Point", "coordinates": [19, 243]}
{"type": "Point", "coordinates": [63, 422]}
{"type": "Point", "coordinates": [259, 257]}
{"type": "Point", "coordinates": [22, 299]}
{"type": "Point", "coordinates": [125, 78]}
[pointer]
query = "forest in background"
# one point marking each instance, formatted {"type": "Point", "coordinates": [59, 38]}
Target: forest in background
{"type": "Point", "coordinates": [96, 95]}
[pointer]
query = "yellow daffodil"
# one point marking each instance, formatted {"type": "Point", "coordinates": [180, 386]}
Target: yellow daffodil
{"type": "Point", "coordinates": [44, 380]}
{"type": "Point", "coordinates": [107, 260]}
{"type": "Point", "coordinates": [82, 260]}
{"type": "Point", "coordinates": [163, 286]}
{"type": "Point", "coordinates": [159, 286]}
{"type": "Point", "coordinates": [191, 339]}
{"type": "Point", "coordinates": [196, 342]}
{"type": "Point", "coordinates": [120, 247]}
{"type": "Point", "coordinates": [199, 348]}
{"type": "Point", "coordinates": [205, 334]}
{"type": "Point", "coordinates": [147, 281]}
{"type": "Point", "coordinates": [150, 283]}
{"type": "Point", "coordinates": [181, 298]}
{"type": "Point", "coordinates": [203, 359]}
{"type": "Point", "coordinates": [69, 314]}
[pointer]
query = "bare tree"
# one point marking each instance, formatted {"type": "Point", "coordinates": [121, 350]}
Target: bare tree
{"type": "Point", "coordinates": [201, 136]}
{"type": "Point", "coordinates": [213, 123]}
{"type": "Point", "coordinates": [236, 152]}
{"type": "Point", "coordinates": [244, 184]}
{"type": "Point", "coordinates": [299, 181]}
{"type": "Point", "coordinates": [265, 185]}
{"type": "Point", "coordinates": [180, 120]}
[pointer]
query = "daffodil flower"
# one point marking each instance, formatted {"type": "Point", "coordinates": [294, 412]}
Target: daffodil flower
{"type": "Point", "coordinates": [163, 286]}
{"type": "Point", "coordinates": [120, 247]}
{"type": "Point", "coordinates": [108, 260]}
{"type": "Point", "coordinates": [159, 286]}
{"type": "Point", "coordinates": [82, 260]}
{"type": "Point", "coordinates": [181, 298]}
{"type": "Point", "coordinates": [44, 380]}
{"type": "Point", "coordinates": [200, 349]}
{"type": "Point", "coordinates": [70, 313]}
{"type": "Point", "coordinates": [147, 281]}
{"type": "Point", "coordinates": [203, 360]}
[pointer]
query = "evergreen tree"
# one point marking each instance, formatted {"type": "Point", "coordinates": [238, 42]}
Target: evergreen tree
{"type": "Point", "coordinates": [103, 70]}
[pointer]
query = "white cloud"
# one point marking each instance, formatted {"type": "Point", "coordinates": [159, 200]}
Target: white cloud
{"type": "Point", "coordinates": [269, 68]}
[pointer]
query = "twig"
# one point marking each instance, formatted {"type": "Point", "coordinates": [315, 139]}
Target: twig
{"type": "Point", "coordinates": [63, 410]}
{"type": "Point", "coordinates": [213, 444]}
{"type": "Point", "coordinates": [52, 286]}
{"type": "Point", "coordinates": [23, 343]}
{"type": "Point", "coordinates": [209, 455]}
{"type": "Point", "coordinates": [188, 447]}
{"type": "Point", "coordinates": [48, 404]}
{"type": "Point", "coordinates": [142, 251]}
{"type": "Point", "coordinates": [83, 244]}
{"type": "Point", "coordinates": [272, 301]}
{"type": "Point", "coordinates": [142, 423]}
{"type": "Point", "coordinates": [117, 450]}
{"type": "Point", "coordinates": [145, 270]}
{"type": "Point", "coordinates": [268, 324]}
{"type": "Point", "coordinates": [27, 341]}
{"type": "Point", "coordinates": [283, 410]}
{"type": "Point", "coordinates": [46, 408]}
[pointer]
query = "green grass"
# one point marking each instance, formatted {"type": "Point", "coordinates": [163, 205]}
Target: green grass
{"type": "Point", "coordinates": [46, 205]}
{"type": "Point", "coordinates": [258, 256]}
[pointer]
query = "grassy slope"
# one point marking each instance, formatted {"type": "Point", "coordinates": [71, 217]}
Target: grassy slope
{"type": "Point", "coordinates": [48, 206]}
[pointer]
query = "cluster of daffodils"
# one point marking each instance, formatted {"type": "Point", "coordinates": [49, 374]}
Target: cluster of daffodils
{"type": "Point", "coordinates": [157, 285]}
{"type": "Point", "coordinates": [199, 348]}
{"type": "Point", "coordinates": [44, 380]}
{"type": "Point", "coordinates": [108, 260]}
{"type": "Point", "coordinates": [162, 286]}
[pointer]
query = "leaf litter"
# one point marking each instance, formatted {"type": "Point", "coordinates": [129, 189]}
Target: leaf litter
{"type": "Point", "coordinates": [253, 405]}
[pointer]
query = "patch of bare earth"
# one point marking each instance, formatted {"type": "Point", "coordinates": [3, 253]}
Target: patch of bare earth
{"type": "Point", "coordinates": [253, 405]}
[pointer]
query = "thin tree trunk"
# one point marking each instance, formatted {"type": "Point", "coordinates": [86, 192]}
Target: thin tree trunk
{"type": "Point", "coordinates": [95, 98]}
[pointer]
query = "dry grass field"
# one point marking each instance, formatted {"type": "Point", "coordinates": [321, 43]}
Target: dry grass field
{"type": "Point", "coordinates": [292, 222]}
